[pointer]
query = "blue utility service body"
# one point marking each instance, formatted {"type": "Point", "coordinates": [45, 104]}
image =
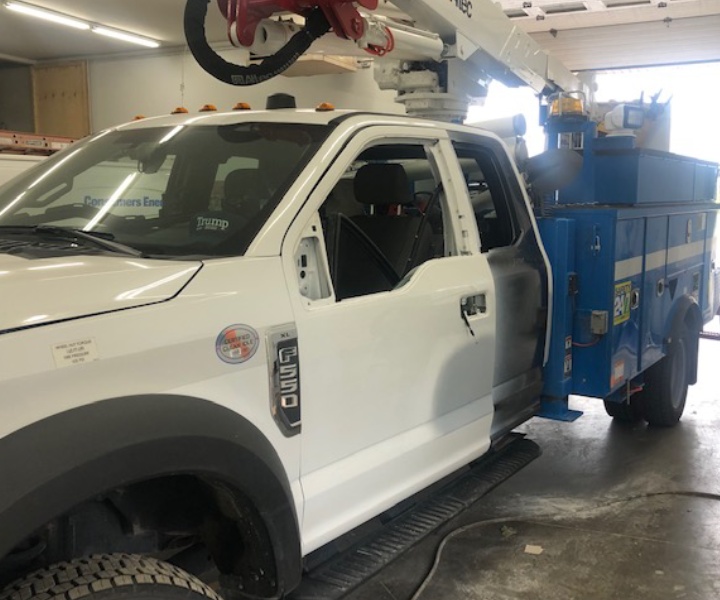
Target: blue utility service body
{"type": "Point", "coordinates": [631, 248]}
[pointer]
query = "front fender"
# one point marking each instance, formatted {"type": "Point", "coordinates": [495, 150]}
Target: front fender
{"type": "Point", "coordinates": [51, 466]}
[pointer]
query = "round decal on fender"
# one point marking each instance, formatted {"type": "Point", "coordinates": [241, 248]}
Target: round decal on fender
{"type": "Point", "coordinates": [237, 344]}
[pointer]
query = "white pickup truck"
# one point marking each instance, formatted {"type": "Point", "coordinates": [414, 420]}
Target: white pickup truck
{"type": "Point", "coordinates": [241, 336]}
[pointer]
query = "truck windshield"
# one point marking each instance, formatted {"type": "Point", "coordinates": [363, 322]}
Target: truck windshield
{"type": "Point", "coordinates": [183, 192]}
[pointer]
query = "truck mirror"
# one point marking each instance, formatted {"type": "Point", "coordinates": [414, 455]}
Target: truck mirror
{"type": "Point", "coordinates": [552, 170]}
{"type": "Point", "coordinates": [149, 156]}
{"type": "Point", "coordinates": [152, 163]}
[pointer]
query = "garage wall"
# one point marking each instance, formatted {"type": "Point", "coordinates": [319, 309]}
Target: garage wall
{"type": "Point", "coordinates": [16, 99]}
{"type": "Point", "coordinates": [151, 85]}
{"type": "Point", "coordinates": [635, 45]}
{"type": "Point", "coordinates": [61, 99]}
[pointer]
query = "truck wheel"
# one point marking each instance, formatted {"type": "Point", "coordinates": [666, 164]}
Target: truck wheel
{"type": "Point", "coordinates": [111, 577]}
{"type": "Point", "coordinates": [666, 384]}
{"type": "Point", "coordinates": [624, 411]}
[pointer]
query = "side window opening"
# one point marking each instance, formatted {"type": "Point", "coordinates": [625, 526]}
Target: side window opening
{"type": "Point", "coordinates": [489, 197]}
{"type": "Point", "coordinates": [383, 219]}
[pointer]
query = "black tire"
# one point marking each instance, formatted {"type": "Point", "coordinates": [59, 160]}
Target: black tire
{"type": "Point", "coordinates": [110, 576]}
{"type": "Point", "coordinates": [624, 411]}
{"type": "Point", "coordinates": [666, 383]}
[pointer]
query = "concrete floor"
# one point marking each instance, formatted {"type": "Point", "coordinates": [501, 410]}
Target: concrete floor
{"type": "Point", "coordinates": [620, 512]}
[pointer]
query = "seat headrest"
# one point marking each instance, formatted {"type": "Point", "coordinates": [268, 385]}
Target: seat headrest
{"type": "Point", "coordinates": [245, 191]}
{"type": "Point", "coordinates": [342, 199]}
{"type": "Point", "coordinates": [244, 182]}
{"type": "Point", "coordinates": [382, 184]}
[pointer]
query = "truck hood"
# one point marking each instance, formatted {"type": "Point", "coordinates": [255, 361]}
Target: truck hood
{"type": "Point", "coordinates": [37, 291]}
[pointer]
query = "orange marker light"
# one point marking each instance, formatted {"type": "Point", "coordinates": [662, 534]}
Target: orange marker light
{"type": "Point", "coordinates": [180, 110]}
{"type": "Point", "coordinates": [138, 117]}
{"type": "Point", "coordinates": [208, 108]}
{"type": "Point", "coordinates": [242, 106]}
{"type": "Point", "coordinates": [325, 107]}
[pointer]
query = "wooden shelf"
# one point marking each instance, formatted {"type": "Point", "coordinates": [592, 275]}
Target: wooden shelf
{"type": "Point", "coordinates": [321, 64]}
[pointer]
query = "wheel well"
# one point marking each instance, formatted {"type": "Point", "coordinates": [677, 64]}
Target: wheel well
{"type": "Point", "coordinates": [157, 475]}
{"type": "Point", "coordinates": [203, 525]}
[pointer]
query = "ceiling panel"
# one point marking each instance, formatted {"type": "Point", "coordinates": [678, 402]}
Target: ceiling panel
{"type": "Point", "coordinates": [560, 15]}
{"type": "Point", "coordinates": [28, 38]}
{"type": "Point", "coordinates": [635, 44]}
{"type": "Point", "coordinates": [584, 34]}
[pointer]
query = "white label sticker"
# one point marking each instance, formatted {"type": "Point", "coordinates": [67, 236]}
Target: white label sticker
{"type": "Point", "coordinates": [75, 353]}
{"type": "Point", "coordinates": [618, 372]}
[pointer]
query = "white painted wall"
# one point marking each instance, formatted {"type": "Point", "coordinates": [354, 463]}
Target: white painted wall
{"type": "Point", "coordinates": [14, 164]}
{"type": "Point", "coordinates": [152, 85]}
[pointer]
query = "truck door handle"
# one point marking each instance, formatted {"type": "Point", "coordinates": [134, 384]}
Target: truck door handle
{"type": "Point", "coordinates": [473, 305]}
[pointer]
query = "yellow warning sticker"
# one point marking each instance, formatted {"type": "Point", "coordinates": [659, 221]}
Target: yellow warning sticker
{"type": "Point", "coordinates": [621, 305]}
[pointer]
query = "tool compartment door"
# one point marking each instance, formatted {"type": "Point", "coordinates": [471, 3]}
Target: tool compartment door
{"type": "Point", "coordinates": [627, 285]}
{"type": "Point", "coordinates": [654, 311]}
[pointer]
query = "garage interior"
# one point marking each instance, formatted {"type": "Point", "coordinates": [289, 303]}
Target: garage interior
{"type": "Point", "coordinates": [615, 510]}
{"type": "Point", "coordinates": [112, 80]}
{"type": "Point", "coordinates": [610, 509]}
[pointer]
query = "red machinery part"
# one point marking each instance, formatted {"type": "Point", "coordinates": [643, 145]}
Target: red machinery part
{"type": "Point", "coordinates": [316, 26]}
{"type": "Point", "coordinates": [245, 15]}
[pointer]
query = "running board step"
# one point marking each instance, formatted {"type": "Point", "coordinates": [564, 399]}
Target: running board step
{"type": "Point", "coordinates": [336, 577]}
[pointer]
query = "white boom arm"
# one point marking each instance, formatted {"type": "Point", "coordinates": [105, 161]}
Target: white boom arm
{"type": "Point", "coordinates": [438, 66]}
{"type": "Point", "coordinates": [473, 40]}
{"type": "Point", "coordinates": [484, 36]}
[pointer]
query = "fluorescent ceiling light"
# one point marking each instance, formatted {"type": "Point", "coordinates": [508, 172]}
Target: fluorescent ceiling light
{"type": "Point", "coordinates": [126, 37]}
{"type": "Point", "coordinates": [47, 15]}
{"type": "Point", "coordinates": [62, 19]}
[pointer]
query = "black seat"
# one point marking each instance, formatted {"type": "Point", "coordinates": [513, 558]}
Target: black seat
{"type": "Point", "coordinates": [245, 192]}
{"type": "Point", "coordinates": [402, 238]}
{"type": "Point", "coordinates": [342, 200]}
{"type": "Point", "coordinates": [357, 267]}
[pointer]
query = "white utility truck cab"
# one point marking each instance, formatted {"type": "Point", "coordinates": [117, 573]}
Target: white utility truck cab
{"type": "Point", "coordinates": [244, 335]}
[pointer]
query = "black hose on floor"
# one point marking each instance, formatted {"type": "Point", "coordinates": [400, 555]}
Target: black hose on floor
{"type": "Point", "coordinates": [460, 530]}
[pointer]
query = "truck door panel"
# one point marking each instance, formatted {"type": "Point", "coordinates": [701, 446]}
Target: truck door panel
{"type": "Point", "coordinates": [520, 276]}
{"type": "Point", "coordinates": [394, 404]}
{"type": "Point", "coordinates": [518, 345]}
{"type": "Point", "coordinates": [396, 372]}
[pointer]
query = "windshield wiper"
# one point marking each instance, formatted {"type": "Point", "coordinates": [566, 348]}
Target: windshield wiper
{"type": "Point", "coordinates": [87, 238]}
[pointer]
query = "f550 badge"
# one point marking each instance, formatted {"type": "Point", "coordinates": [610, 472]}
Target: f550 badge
{"type": "Point", "coordinates": [284, 364]}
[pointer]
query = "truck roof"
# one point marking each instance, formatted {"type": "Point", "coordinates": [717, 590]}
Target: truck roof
{"type": "Point", "coordinates": [228, 118]}
{"type": "Point", "coordinates": [306, 116]}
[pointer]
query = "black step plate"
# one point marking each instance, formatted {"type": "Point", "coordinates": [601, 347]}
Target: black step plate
{"type": "Point", "coordinates": [336, 577]}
